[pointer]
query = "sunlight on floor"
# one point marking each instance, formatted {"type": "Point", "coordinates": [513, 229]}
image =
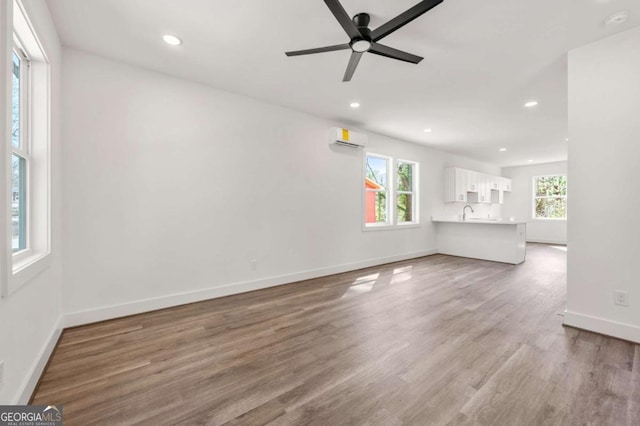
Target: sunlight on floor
{"type": "Point", "coordinates": [403, 269]}
{"type": "Point", "coordinates": [357, 289]}
{"type": "Point", "coordinates": [361, 285]}
{"type": "Point", "coordinates": [366, 278]}
{"type": "Point", "coordinates": [401, 278]}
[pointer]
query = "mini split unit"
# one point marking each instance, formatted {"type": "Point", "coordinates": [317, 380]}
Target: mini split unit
{"type": "Point", "coordinates": [347, 138]}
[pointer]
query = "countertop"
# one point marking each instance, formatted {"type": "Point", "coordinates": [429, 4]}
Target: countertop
{"type": "Point", "coordinates": [477, 221]}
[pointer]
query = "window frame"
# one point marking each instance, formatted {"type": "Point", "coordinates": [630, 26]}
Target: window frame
{"type": "Point", "coordinates": [392, 193]}
{"type": "Point", "coordinates": [535, 197]}
{"type": "Point", "coordinates": [415, 170]}
{"type": "Point", "coordinates": [387, 190]}
{"type": "Point", "coordinates": [19, 268]}
{"type": "Point", "coordinates": [24, 146]}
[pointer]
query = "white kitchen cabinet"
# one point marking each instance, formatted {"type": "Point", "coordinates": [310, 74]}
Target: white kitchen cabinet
{"type": "Point", "coordinates": [483, 193]}
{"type": "Point", "coordinates": [461, 185]}
{"type": "Point", "coordinates": [497, 194]}
{"type": "Point", "coordinates": [455, 185]}
{"type": "Point", "coordinates": [484, 190]}
{"type": "Point", "coordinates": [494, 182]}
{"type": "Point", "coordinates": [474, 180]}
{"type": "Point", "coordinates": [505, 184]}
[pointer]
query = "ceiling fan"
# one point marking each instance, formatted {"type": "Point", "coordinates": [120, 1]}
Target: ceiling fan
{"type": "Point", "coordinates": [365, 40]}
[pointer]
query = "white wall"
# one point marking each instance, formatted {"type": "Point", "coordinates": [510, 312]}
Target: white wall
{"type": "Point", "coordinates": [519, 202]}
{"type": "Point", "coordinates": [171, 188]}
{"type": "Point", "coordinates": [604, 168]}
{"type": "Point", "coordinates": [30, 317]}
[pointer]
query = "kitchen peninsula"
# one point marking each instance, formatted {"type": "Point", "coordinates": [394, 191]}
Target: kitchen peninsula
{"type": "Point", "coordinates": [496, 239]}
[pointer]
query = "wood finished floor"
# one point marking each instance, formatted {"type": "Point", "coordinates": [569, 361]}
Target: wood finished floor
{"type": "Point", "coordinates": [434, 341]}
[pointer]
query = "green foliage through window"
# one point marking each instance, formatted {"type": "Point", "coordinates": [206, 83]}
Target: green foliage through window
{"type": "Point", "coordinates": [405, 192]}
{"type": "Point", "coordinates": [377, 170]}
{"type": "Point", "coordinates": [550, 197]}
{"type": "Point", "coordinates": [376, 203]}
{"type": "Point", "coordinates": [385, 190]}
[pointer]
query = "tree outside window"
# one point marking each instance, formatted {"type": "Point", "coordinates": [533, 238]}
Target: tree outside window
{"type": "Point", "coordinates": [376, 200]}
{"type": "Point", "coordinates": [390, 198]}
{"type": "Point", "coordinates": [406, 204]}
{"type": "Point", "coordinates": [550, 197]}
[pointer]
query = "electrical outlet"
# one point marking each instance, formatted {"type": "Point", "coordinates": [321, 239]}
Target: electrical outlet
{"type": "Point", "coordinates": [254, 265]}
{"type": "Point", "coordinates": [621, 298]}
{"type": "Point", "coordinates": [1, 373]}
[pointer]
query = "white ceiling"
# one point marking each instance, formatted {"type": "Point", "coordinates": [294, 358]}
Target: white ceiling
{"type": "Point", "coordinates": [483, 60]}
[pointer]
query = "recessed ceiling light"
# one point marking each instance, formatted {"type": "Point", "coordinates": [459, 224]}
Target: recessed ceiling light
{"type": "Point", "coordinates": [354, 105]}
{"type": "Point", "coordinates": [617, 18]}
{"type": "Point", "coordinates": [172, 40]}
{"type": "Point", "coordinates": [503, 149]}
{"type": "Point", "coordinates": [531, 104]}
{"type": "Point", "coordinates": [566, 139]}
{"type": "Point", "coordinates": [529, 161]}
{"type": "Point", "coordinates": [427, 130]}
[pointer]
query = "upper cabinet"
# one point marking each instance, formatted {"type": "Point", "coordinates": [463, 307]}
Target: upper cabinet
{"type": "Point", "coordinates": [455, 185]}
{"type": "Point", "coordinates": [496, 182]}
{"type": "Point", "coordinates": [473, 180]}
{"type": "Point", "coordinates": [461, 185]}
{"type": "Point", "coordinates": [505, 184]}
{"type": "Point", "coordinates": [484, 188]}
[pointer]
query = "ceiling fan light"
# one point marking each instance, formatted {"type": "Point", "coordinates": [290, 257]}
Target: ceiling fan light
{"type": "Point", "coordinates": [361, 46]}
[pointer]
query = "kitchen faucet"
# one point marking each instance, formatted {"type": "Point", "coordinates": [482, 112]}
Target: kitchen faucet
{"type": "Point", "coordinates": [464, 212]}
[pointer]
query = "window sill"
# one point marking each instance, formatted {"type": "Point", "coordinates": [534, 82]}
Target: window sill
{"type": "Point", "coordinates": [26, 269]}
{"type": "Point", "coordinates": [390, 227]}
{"type": "Point", "coordinates": [542, 219]}
{"type": "Point", "coordinates": [409, 225]}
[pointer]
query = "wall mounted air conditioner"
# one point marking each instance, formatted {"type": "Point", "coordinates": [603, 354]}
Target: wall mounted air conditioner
{"type": "Point", "coordinates": [345, 137]}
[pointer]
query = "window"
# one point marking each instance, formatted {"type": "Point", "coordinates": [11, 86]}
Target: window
{"type": "Point", "coordinates": [27, 194]}
{"type": "Point", "coordinates": [406, 206]}
{"type": "Point", "coordinates": [382, 190]}
{"type": "Point", "coordinates": [376, 194]}
{"type": "Point", "coordinates": [19, 151]}
{"type": "Point", "coordinates": [550, 197]}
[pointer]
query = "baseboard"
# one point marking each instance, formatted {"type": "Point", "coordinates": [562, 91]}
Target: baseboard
{"type": "Point", "coordinates": [555, 242]}
{"type": "Point", "coordinates": [30, 383]}
{"type": "Point", "coordinates": [603, 326]}
{"type": "Point", "coordinates": [115, 311]}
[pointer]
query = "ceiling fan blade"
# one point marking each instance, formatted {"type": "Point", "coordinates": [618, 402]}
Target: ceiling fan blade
{"type": "Point", "coordinates": [318, 50]}
{"type": "Point", "coordinates": [403, 19]}
{"type": "Point", "coordinates": [390, 52]}
{"type": "Point", "coordinates": [343, 18]}
{"type": "Point", "coordinates": [351, 67]}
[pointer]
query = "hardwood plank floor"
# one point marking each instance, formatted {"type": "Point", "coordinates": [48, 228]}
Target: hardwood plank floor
{"type": "Point", "coordinates": [434, 341]}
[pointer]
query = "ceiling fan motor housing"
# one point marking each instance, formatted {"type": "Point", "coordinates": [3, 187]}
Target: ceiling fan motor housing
{"type": "Point", "coordinates": [361, 20]}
